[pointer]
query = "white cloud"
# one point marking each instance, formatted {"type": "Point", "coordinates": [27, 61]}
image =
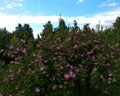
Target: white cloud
{"type": "Point", "coordinates": [20, 0]}
{"type": "Point", "coordinates": [79, 1]}
{"type": "Point", "coordinates": [13, 5]}
{"type": "Point", "coordinates": [11, 21]}
{"type": "Point", "coordinates": [106, 18]}
{"type": "Point", "coordinates": [1, 8]}
{"type": "Point", "coordinates": [15, 19]}
{"type": "Point", "coordinates": [8, 4]}
{"type": "Point", "coordinates": [109, 3]}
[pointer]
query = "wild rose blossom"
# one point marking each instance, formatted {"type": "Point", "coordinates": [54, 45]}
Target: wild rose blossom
{"type": "Point", "coordinates": [41, 68]}
{"type": "Point", "coordinates": [94, 70]}
{"type": "Point", "coordinates": [1, 94]}
{"type": "Point", "coordinates": [61, 86]}
{"type": "Point", "coordinates": [90, 52]}
{"type": "Point", "coordinates": [22, 40]}
{"type": "Point", "coordinates": [54, 87]}
{"type": "Point", "coordinates": [24, 51]}
{"type": "Point", "coordinates": [11, 47]}
{"type": "Point", "coordinates": [106, 65]}
{"type": "Point", "coordinates": [110, 74]}
{"type": "Point", "coordinates": [1, 50]}
{"type": "Point", "coordinates": [37, 90]}
{"type": "Point", "coordinates": [67, 76]}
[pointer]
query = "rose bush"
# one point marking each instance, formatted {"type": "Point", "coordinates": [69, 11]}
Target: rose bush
{"type": "Point", "coordinates": [81, 64]}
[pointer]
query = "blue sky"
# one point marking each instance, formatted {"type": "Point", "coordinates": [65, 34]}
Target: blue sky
{"type": "Point", "coordinates": [38, 12]}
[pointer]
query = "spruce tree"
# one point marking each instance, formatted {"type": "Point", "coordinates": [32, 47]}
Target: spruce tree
{"type": "Point", "coordinates": [48, 29]}
{"type": "Point", "coordinates": [24, 32]}
{"type": "Point", "coordinates": [116, 25]}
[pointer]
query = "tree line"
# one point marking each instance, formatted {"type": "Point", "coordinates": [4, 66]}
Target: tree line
{"type": "Point", "coordinates": [26, 32]}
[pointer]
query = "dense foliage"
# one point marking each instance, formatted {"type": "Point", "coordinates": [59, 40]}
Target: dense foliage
{"type": "Point", "coordinates": [62, 62]}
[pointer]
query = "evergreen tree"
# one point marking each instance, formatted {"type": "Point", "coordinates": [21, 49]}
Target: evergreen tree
{"type": "Point", "coordinates": [62, 25]}
{"type": "Point", "coordinates": [75, 27]}
{"type": "Point", "coordinates": [116, 25]}
{"type": "Point", "coordinates": [24, 32]}
{"type": "Point", "coordinates": [48, 29]}
{"type": "Point", "coordinates": [86, 28]}
{"type": "Point", "coordinates": [19, 28]}
{"type": "Point", "coordinates": [28, 31]}
{"type": "Point", "coordinates": [5, 37]}
{"type": "Point", "coordinates": [62, 28]}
